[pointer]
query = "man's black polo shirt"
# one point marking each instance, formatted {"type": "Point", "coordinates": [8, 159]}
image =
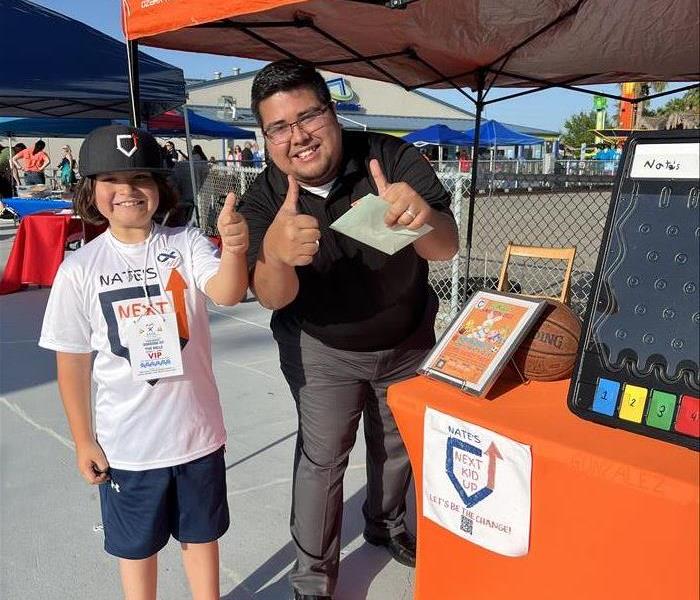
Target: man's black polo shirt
{"type": "Point", "coordinates": [351, 296]}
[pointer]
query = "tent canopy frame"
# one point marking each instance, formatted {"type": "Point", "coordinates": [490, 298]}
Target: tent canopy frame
{"type": "Point", "coordinates": [486, 75]}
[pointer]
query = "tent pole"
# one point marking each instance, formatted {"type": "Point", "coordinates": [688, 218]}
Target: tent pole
{"type": "Point", "coordinates": [132, 56]}
{"type": "Point", "coordinates": [472, 183]}
{"type": "Point", "coordinates": [188, 143]}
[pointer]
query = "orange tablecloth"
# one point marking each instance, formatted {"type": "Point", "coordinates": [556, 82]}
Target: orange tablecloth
{"type": "Point", "coordinates": [614, 515]}
{"type": "Point", "coordinates": [38, 249]}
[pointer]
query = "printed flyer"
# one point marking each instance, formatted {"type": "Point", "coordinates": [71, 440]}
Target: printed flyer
{"type": "Point", "coordinates": [480, 341]}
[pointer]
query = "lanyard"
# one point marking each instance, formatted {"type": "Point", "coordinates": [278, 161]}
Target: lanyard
{"type": "Point", "coordinates": [123, 258]}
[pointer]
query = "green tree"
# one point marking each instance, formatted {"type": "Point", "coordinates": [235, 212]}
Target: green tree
{"type": "Point", "coordinates": [578, 129]}
{"type": "Point", "coordinates": [688, 102]}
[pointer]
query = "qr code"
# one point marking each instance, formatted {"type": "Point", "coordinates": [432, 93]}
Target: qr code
{"type": "Point", "coordinates": [467, 525]}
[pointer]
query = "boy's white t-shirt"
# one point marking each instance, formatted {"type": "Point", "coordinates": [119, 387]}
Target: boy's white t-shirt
{"type": "Point", "coordinates": [95, 295]}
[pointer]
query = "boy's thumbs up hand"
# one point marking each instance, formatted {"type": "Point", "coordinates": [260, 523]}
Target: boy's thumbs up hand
{"type": "Point", "coordinates": [292, 238]}
{"type": "Point", "coordinates": [232, 227]}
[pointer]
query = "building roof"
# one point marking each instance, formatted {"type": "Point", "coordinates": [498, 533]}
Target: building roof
{"type": "Point", "coordinates": [359, 121]}
{"type": "Point", "coordinates": [198, 84]}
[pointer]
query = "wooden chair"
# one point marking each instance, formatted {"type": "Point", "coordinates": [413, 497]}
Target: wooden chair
{"type": "Point", "coordinates": [564, 254]}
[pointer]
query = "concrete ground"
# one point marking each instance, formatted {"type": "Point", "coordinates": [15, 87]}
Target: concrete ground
{"type": "Point", "coordinates": [50, 532]}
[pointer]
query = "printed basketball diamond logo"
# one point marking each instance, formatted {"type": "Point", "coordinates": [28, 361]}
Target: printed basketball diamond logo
{"type": "Point", "coordinates": [471, 471]}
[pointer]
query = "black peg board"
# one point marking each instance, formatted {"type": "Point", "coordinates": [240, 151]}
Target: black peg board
{"type": "Point", "coordinates": [637, 366]}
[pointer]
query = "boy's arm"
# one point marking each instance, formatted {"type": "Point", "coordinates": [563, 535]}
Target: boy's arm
{"type": "Point", "coordinates": [74, 384]}
{"type": "Point", "coordinates": [228, 286]}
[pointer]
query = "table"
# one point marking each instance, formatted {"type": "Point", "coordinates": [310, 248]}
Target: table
{"type": "Point", "coordinates": [613, 514]}
{"type": "Point", "coordinates": [26, 206]}
{"type": "Point", "coordinates": [38, 249]}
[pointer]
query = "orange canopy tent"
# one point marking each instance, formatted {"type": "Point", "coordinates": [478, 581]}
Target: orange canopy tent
{"type": "Point", "coordinates": [442, 43]}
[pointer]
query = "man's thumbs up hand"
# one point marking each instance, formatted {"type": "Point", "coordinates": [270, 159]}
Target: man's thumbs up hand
{"type": "Point", "coordinates": [292, 238]}
{"type": "Point", "coordinates": [291, 200]}
{"type": "Point", "coordinates": [232, 227]}
{"type": "Point", "coordinates": [406, 207]}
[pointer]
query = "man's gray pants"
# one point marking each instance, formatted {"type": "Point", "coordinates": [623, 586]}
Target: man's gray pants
{"type": "Point", "coordinates": [332, 389]}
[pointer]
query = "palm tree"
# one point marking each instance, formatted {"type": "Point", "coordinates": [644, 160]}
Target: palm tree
{"type": "Point", "coordinates": [637, 89]}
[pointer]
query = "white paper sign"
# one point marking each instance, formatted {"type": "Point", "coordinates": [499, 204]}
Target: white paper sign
{"type": "Point", "coordinates": [476, 484]}
{"type": "Point", "coordinates": [666, 161]}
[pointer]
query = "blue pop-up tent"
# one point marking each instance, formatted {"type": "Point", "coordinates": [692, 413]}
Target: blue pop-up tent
{"type": "Point", "coordinates": [170, 124]}
{"type": "Point", "coordinates": [50, 126]}
{"type": "Point", "coordinates": [493, 133]}
{"type": "Point", "coordinates": [437, 134]}
{"type": "Point", "coordinates": [54, 66]}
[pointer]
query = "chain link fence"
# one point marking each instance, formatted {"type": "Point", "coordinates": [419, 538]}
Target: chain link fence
{"type": "Point", "coordinates": [213, 182]}
{"type": "Point", "coordinates": [530, 209]}
{"type": "Point", "coordinates": [542, 210]}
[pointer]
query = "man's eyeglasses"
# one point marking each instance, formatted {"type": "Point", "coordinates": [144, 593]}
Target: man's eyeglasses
{"type": "Point", "coordinates": [281, 133]}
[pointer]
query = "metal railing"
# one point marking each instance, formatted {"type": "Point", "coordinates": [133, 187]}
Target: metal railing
{"type": "Point", "coordinates": [531, 167]}
{"type": "Point", "coordinates": [535, 209]}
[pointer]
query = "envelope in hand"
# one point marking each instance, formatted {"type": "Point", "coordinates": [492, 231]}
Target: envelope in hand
{"type": "Point", "coordinates": [364, 222]}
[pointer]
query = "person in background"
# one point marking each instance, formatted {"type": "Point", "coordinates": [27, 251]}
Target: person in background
{"type": "Point", "coordinates": [66, 169]}
{"type": "Point", "coordinates": [5, 172]}
{"type": "Point", "coordinates": [258, 156]}
{"type": "Point", "coordinates": [465, 163]}
{"type": "Point", "coordinates": [237, 153]}
{"type": "Point", "coordinates": [247, 155]}
{"type": "Point", "coordinates": [33, 161]}
{"type": "Point", "coordinates": [230, 157]}
{"type": "Point", "coordinates": [198, 153]}
{"type": "Point", "coordinates": [349, 320]}
{"type": "Point", "coordinates": [171, 154]}
{"type": "Point", "coordinates": [16, 181]}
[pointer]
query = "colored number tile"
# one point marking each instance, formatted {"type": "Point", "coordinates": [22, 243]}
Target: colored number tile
{"type": "Point", "coordinates": [661, 407]}
{"type": "Point", "coordinates": [634, 399]}
{"type": "Point", "coordinates": [688, 417]}
{"type": "Point", "coordinates": [605, 399]}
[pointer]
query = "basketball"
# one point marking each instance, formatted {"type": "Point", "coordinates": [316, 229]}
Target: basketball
{"type": "Point", "coordinates": [548, 353]}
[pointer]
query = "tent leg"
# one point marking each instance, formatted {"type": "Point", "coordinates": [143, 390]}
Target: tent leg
{"type": "Point", "coordinates": [188, 142]}
{"type": "Point", "coordinates": [472, 184]}
{"type": "Point", "coordinates": [132, 56]}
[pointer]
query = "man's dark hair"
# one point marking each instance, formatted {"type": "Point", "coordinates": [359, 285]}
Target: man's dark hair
{"type": "Point", "coordinates": [283, 76]}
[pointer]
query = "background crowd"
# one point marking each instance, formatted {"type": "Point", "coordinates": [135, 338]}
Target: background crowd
{"type": "Point", "coordinates": [21, 165]}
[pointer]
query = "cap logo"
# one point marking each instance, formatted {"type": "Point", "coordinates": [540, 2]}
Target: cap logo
{"type": "Point", "coordinates": [122, 146]}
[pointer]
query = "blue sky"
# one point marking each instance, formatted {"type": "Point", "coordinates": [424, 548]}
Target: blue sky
{"type": "Point", "coordinates": [547, 110]}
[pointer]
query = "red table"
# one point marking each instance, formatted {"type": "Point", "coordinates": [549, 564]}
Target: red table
{"type": "Point", "coordinates": [38, 249]}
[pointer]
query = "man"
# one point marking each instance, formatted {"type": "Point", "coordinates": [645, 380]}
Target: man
{"type": "Point", "coordinates": [349, 320]}
{"type": "Point", "coordinates": [5, 172]}
{"type": "Point", "coordinates": [247, 155]}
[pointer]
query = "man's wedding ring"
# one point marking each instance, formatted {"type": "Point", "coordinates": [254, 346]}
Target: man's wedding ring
{"type": "Point", "coordinates": [410, 213]}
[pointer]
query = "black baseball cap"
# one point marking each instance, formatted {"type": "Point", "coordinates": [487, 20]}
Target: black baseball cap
{"type": "Point", "coordinates": [119, 148]}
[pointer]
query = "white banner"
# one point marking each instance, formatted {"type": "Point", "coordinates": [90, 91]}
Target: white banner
{"type": "Point", "coordinates": [476, 483]}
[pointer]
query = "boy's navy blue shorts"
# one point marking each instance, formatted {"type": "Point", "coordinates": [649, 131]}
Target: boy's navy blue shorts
{"type": "Point", "coordinates": [142, 509]}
